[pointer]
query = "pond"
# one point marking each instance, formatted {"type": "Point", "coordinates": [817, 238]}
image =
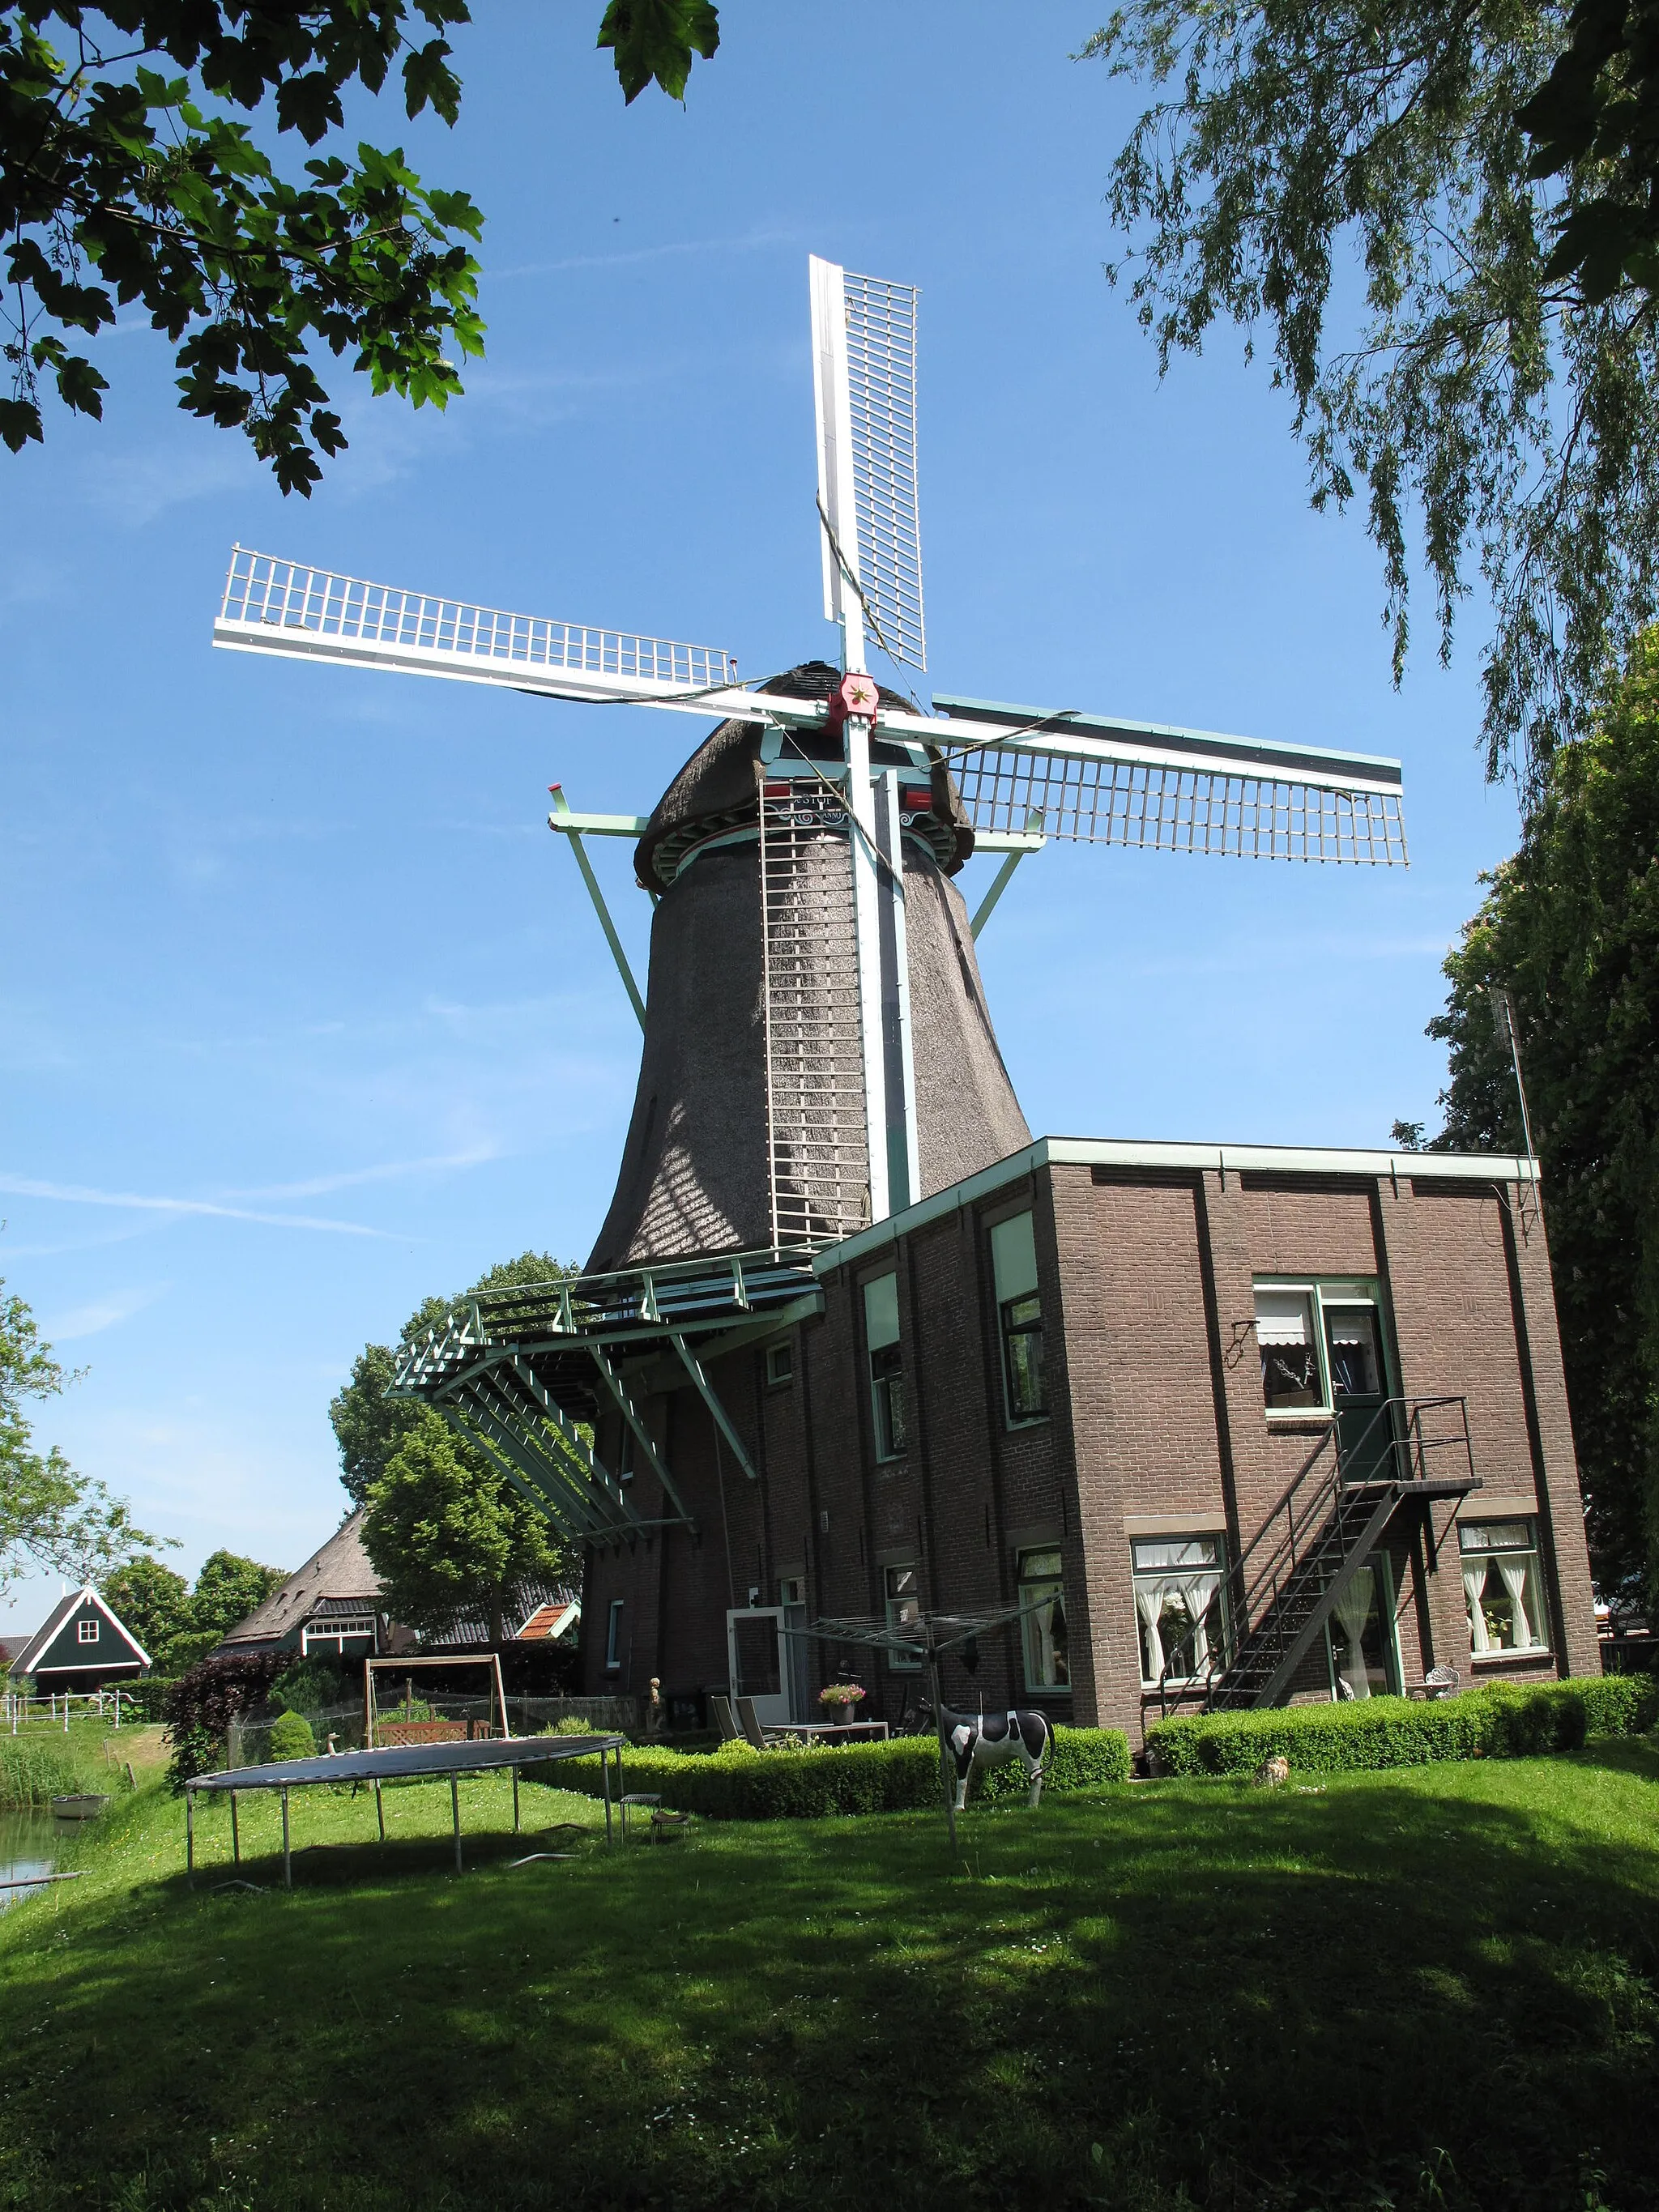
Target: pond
{"type": "Point", "coordinates": [28, 1847]}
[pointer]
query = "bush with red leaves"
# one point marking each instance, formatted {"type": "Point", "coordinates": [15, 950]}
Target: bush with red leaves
{"type": "Point", "coordinates": [201, 1705]}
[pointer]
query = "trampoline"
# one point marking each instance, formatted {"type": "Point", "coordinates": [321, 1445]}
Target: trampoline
{"type": "Point", "coordinates": [402, 1762]}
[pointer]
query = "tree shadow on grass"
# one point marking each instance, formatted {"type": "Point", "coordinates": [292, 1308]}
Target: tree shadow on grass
{"type": "Point", "coordinates": [1408, 1991]}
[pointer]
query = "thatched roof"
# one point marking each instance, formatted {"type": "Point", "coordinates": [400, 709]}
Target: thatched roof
{"type": "Point", "coordinates": [342, 1570]}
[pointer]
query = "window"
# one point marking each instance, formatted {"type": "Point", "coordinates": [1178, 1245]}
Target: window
{"type": "Point", "coordinates": [1043, 1606]}
{"type": "Point", "coordinates": [1019, 1319]}
{"type": "Point", "coordinates": [779, 1363]}
{"type": "Point", "coordinates": [1322, 1349]}
{"type": "Point", "coordinates": [1502, 1586]}
{"type": "Point", "coordinates": [1289, 1364]}
{"type": "Point", "coordinates": [628, 1446]}
{"type": "Point", "coordinates": [1180, 1607]}
{"type": "Point", "coordinates": [322, 1635]}
{"type": "Point", "coordinates": [903, 1593]}
{"type": "Point", "coordinates": [87, 1631]}
{"type": "Point", "coordinates": [881, 1336]}
{"type": "Point", "coordinates": [792, 1590]}
{"type": "Point", "coordinates": [1359, 1635]}
{"type": "Point", "coordinates": [613, 1637]}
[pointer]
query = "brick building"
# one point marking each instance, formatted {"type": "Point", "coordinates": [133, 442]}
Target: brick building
{"type": "Point", "coordinates": [1084, 1381]}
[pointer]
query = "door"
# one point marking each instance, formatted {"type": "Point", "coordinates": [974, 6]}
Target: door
{"type": "Point", "coordinates": [791, 1597]}
{"type": "Point", "coordinates": [758, 1652]}
{"type": "Point", "coordinates": [1360, 1636]}
{"type": "Point", "coordinates": [1353, 1352]}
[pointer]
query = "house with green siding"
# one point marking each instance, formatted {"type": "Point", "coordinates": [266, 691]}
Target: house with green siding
{"type": "Point", "coordinates": [82, 1644]}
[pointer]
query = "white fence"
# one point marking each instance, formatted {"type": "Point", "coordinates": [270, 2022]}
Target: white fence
{"type": "Point", "coordinates": [18, 1711]}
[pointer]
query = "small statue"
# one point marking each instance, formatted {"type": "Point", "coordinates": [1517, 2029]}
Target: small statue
{"type": "Point", "coordinates": [656, 1713]}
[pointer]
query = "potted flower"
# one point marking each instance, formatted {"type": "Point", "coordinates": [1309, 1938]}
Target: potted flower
{"type": "Point", "coordinates": [841, 1701]}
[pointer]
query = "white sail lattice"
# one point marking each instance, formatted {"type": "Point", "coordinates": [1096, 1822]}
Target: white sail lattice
{"type": "Point", "coordinates": [1165, 808]}
{"type": "Point", "coordinates": [881, 379]}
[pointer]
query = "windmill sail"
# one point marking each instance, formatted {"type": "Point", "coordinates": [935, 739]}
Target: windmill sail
{"type": "Point", "coordinates": [285, 607]}
{"type": "Point", "coordinates": [864, 386]}
{"type": "Point", "coordinates": [1108, 783]}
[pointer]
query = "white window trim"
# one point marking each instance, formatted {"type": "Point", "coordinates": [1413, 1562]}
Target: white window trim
{"type": "Point", "coordinates": [1024, 1588]}
{"type": "Point", "coordinates": [81, 1626]}
{"type": "Point", "coordinates": [612, 1624]}
{"type": "Point", "coordinates": [1499, 1654]}
{"type": "Point", "coordinates": [1218, 1535]}
{"type": "Point", "coordinates": [1383, 1585]}
{"type": "Point", "coordinates": [1322, 1290]}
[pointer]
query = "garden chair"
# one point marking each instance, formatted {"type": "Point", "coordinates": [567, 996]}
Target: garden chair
{"type": "Point", "coordinates": [749, 1722]}
{"type": "Point", "coordinates": [719, 1711]}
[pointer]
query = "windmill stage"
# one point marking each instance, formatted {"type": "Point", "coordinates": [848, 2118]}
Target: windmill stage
{"type": "Point", "coordinates": [1199, 1426]}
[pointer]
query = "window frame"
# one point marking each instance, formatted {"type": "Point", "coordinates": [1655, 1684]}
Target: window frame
{"type": "Point", "coordinates": [1321, 1292]}
{"type": "Point", "coordinates": [1533, 1552]}
{"type": "Point", "coordinates": [1388, 1601]}
{"type": "Point", "coordinates": [88, 1622]}
{"type": "Point", "coordinates": [780, 1377]}
{"type": "Point", "coordinates": [891, 1599]}
{"type": "Point", "coordinates": [890, 1442]}
{"type": "Point", "coordinates": [1026, 1292]}
{"type": "Point", "coordinates": [612, 1636]}
{"type": "Point", "coordinates": [1028, 1586]}
{"type": "Point", "coordinates": [1220, 1652]}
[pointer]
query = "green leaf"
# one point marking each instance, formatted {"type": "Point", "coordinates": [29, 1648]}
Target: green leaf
{"type": "Point", "coordinates": [428, 81]}
{"type": "Point", "coordinates": [79, 385]}
{"type": "Point", "coordinates": [20, 421]}
{"type": "Point", "coordinates": [653, 41]}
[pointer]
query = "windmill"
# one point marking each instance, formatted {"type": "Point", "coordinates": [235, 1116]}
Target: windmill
{"type": "Point", "coordinates": [826, 815]}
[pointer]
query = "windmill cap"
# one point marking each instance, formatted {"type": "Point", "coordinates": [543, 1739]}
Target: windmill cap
{"type": "Point", "coordinates": [715, 789]}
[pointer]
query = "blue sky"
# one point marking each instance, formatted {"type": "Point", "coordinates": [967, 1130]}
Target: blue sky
{"type": "Point", "coordinates": [306, 1014]}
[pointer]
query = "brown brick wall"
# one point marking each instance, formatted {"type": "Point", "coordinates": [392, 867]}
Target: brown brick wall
{"type": "Point", "coordinates": [1155, 1409]}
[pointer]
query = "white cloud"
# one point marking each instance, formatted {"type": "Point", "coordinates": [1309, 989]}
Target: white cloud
{"type": "Point", "coordinates": [99, 1313]}
{"type": "Point", "coordinates": [79, 1194]}
{"type": "Point", "coordinates": [388, 1171]}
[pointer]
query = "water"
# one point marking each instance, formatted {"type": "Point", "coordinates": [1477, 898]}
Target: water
{"type": "Point", "coordinates": [28, 1847]}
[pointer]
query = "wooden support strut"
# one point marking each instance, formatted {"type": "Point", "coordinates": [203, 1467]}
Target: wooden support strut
{"type": "Point", "coordinates": [626, 1407]}
{"type": "Point", "coordinates": [693, 1367]}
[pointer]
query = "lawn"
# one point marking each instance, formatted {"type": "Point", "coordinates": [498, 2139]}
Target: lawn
{"type": "Point", "coordinates": [1433, 1987]}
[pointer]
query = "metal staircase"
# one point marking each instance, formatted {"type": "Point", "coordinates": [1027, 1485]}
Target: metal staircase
{"type": "Point", "coordinates": [816, 1156]}
{"type": "Point", "coordinates": [1325, 1527]}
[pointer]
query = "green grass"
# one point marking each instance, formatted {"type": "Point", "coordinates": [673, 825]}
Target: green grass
{"type": "Point", "coordinates": [38, 1764]}
{"type": "Point", "coordinates": [1430, 1988]}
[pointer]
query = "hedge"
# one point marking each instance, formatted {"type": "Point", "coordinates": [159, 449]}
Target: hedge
{"type": "Point", "coordinates": [812, 1782]}
{"type": "Point", "coordinates": [1499, 1721]}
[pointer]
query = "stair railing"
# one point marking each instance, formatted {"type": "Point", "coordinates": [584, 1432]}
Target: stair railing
{"type": "Point", "coordinates": [1322, 1499]}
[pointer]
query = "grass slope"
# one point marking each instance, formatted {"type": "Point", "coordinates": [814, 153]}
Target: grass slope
{"type": "Point", "coordinates": [1433, 1988]}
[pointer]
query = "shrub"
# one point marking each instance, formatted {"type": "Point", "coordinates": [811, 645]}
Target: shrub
{"type": "Point", "coordinates": [291, 1737]}
{"type": "Point", "coordinates": [311, 1686]}
{"type": "Point", "coordinates": [1500, 1720]}
{"type": "Point", "coordinates": [200, 1706]}
{"type": "Point", "coordinates": [145, 1700]}
{"type": "Point", "coordinates": [813, 1781]}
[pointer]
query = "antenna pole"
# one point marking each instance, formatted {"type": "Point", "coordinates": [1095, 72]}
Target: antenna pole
{"type": "Point", "coordinates": [1502, 1014]}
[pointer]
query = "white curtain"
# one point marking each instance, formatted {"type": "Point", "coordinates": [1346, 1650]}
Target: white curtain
{"type": "Point", "coordinates": [1196, 1595]}
{"type": "Point", "coordinates": [1475, 1582]}
{"type": "Point", "coordinates": [1149, 1603]}
{"type": "Point", "coordinates": [1353, 1610]}
{"type": "Point", "coordinates": [1514, 1572]}
{"type": "Point", "coordinates": [1042, 1629]}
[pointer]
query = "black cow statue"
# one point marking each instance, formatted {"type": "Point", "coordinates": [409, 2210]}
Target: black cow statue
{"type": "Point", "coordinates": [991, 1740]}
